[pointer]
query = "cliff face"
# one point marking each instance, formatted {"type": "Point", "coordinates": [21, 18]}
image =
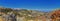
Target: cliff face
{"type": "Point", "coordinates": [55, 15]}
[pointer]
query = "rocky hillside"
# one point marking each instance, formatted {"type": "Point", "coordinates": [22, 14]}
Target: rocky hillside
{"type": "Point", "coordinates": [23, 14]}
{"type": "Point", "coordinates": [28, 14]}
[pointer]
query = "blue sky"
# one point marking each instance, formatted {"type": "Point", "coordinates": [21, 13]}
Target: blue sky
{"type": "Point", "coordinates": [31, 4]}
